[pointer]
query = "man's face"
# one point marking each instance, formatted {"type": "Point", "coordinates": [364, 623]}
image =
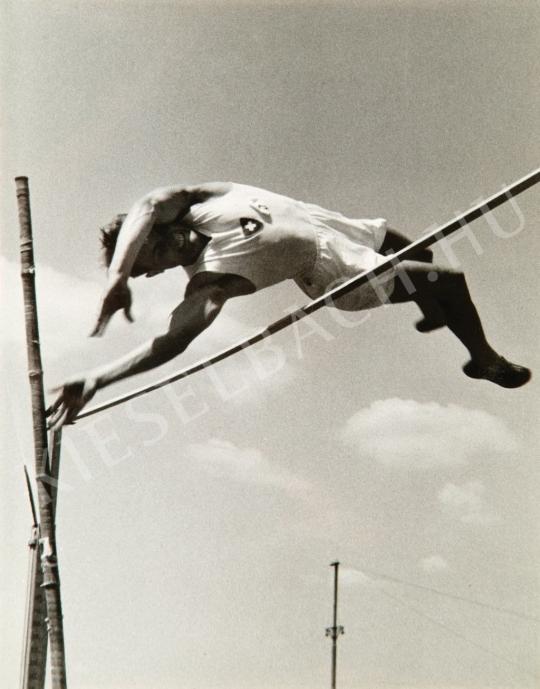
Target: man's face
{"type": "Point", "coordinates": [168, 246]}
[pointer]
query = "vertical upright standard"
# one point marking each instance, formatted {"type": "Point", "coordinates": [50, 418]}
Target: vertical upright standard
{"type": "Point", "coordinates": [47, 537]}
{"type": "Point", "coordinates": [34, 657]}
{"type": "Point", "coordinates": [334, 631]}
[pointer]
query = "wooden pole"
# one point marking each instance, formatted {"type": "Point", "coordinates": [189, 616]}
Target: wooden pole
{"type": "Point", "coordinates": [335, 630]}
{"type": "Point", "coordinates": [49, 561]}
{"type": "Point", "coordinates": [34, 658]}
{"type": "Point", "coordinates": [335, 565]}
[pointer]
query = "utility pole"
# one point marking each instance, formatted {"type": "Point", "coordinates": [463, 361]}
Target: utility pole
{"type": "Point", "coordinates": [334, 631]}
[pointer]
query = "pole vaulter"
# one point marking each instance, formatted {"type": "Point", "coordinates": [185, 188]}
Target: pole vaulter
{"type": "Point", "coordinates": [332, 295]}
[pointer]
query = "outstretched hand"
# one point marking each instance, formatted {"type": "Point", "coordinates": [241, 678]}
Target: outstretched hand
{"type": "Point", "coordinates": [117, 297]}
{"type": "Point", "coordinates": [72, 396]}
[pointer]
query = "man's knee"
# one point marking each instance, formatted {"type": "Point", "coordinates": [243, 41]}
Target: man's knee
{"type": "Point", "coordinates": [425, 255]}
{"type": "Point", "coordinates": [395, 241]}
{"type": "Point", "coordinates": [448, 279]}
{"type": "Point", "coordinates": [422, 256]}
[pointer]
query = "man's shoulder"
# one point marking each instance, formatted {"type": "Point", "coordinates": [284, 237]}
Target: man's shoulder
{"type": "Point", "coordinates": [217, 187]}
{"type": "Point", "coordinates": [207, 189]}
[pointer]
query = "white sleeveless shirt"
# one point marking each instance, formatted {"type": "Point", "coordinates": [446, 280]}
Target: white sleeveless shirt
{"type": "Point", "coordinates": [268, 238]}
{"type": "Point", "coordinates": [254, 233]}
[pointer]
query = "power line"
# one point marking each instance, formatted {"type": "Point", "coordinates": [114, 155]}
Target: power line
{"type": "Point", "coordinates": [457, 634]}
{"type": "Point", "coordinates": [453, 596]}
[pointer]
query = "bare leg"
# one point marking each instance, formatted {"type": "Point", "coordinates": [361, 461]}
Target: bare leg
{"type": "Point", "coordinates": [432, 311]}
{"type": "Point", "coordinates": [395, 241]}
{"type": "Point", "coordinates": [416, 280]}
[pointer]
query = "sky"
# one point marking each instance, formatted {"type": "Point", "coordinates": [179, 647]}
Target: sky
{"type": "Point", "coordinates": [196, 525]}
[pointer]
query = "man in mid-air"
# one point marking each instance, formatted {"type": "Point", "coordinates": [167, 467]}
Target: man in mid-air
{"type": "Point", "coordinates": [233, 240]}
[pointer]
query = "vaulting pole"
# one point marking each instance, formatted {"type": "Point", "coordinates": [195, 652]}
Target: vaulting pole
{"type": "Point", "coordinates": [436, 235]}
{"type": "Point", "coordinates": [47, 541]}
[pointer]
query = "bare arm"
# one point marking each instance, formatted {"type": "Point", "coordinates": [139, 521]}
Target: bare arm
{"type": "Point", "coordinates": [159, 206]}
{"type": "Point", "coordinates": [189, 319]}
{"type": "Point", "coordinates": [204, 300]}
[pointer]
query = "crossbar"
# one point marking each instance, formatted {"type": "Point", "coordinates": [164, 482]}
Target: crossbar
{"type": "Point", "coordinates": [436, 235]}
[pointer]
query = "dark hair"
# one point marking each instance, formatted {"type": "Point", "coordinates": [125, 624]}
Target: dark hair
{"type": "Point", "coordinates": [109, 236]}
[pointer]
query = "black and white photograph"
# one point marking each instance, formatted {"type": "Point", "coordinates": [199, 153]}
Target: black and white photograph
{"type": "Point", "coordinates": [269, 344]}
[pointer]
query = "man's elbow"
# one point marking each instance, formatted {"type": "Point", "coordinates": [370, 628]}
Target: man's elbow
{"type": "Point", "coordinates": [168, 203]}
{"type": "Point", "coordinates": [215, 301]}
{"type": "Point", "coordinates": [171, 344]}
{"type": "Point", "coordinates": [147, 205]}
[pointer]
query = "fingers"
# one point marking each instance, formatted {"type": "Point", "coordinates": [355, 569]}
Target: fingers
{"type": "Point", "coordinates": [64, 409]}
{"type": "Point", "coordinates": [127, 314]}
{"type": "Point", "coordinates": [108, 308]}
{"type": "Point", "coordinates": [64, 414]}
{"type": "Point", "coordinates": [104, 317]}
{"type": "Point", "coordinates": [127, 306]}
{"type": "Point", "coordinates": [113, 302]}
{"type": "Point", "coordinates": [103, 322]}
{"type": "Point", "coordinates": [57, 418]}
{"type": "Point", "coordinates": [54, 406]}
{"type": "Point", "coordinates": [98, 330]}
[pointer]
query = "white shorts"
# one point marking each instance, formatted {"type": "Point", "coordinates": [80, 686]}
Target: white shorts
{"type": "Point", "coordinates": [347, 247]}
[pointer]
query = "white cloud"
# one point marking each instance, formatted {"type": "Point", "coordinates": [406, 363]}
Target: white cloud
{"type": "Point", "coordinates": [68, 306]}
{"type": "Point", "coordinates": [61, 299]}
{"type": "Point", "coordinates": [223, 459]}
{"type": "Point", "coordinates": [410, 434]}
{"type": "Point", "coordinates": [433, 563]}
{"type": "Point", "coordinates": [66, 309]}
{"type": "Point", "coordinates": [467, 503]}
